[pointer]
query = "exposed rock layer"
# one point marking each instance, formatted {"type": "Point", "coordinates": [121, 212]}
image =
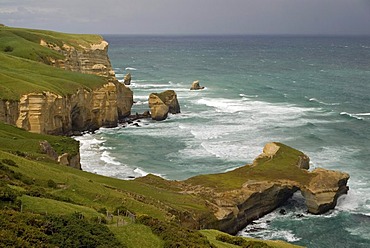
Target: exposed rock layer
{"type": "Point", "coordinates": [89, 60]}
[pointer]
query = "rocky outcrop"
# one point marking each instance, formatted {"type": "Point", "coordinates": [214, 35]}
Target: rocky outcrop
{"type": "Point", "coordinates": [85, 110]}
{"type": "Point", "coordinates": [64, 159]}
{"type": "Point", "coordinates": [50, 113]}
{"type": "Point", "coordinates": [322, 192]}
{"type": "Point", "coordinates": [9, 111]}
{"type": "Point", "coordinates": [127, 79]}
{"type": "Point", "coordinates": [90, 59]}
{"type": "Point", "coordinates": [68, 160]}
{"type": "Point", "coordinates": [195, 86]}
{"type": "Point", "coordinates": [161, 104]}
{"type": "Point", "coordinates": [237, 197]}
{"type": "Point", "coordinates": [47, 149]}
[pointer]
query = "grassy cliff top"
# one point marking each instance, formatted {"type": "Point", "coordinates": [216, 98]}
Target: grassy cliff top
{"type": "Point", "coordinates": [23, 62]}
{"type": "Point", "coordinates": [282, 166]}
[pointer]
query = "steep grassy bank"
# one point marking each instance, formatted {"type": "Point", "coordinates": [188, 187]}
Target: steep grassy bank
{"type": "Point", "coordinates": [25, 64]}
{"type": "Point", "coordinates": [34, 184]}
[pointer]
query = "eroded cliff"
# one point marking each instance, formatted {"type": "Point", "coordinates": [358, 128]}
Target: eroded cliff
{"type": "Point", "coordinates": [48, 111]}
{"type": "Point", "coordinates": [235, 198]}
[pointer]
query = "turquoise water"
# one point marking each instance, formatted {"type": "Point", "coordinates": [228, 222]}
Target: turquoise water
{"type": "Point", "coordinates": [311, 93]}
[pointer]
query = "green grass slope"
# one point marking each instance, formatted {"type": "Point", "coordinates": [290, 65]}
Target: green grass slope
{"type": "Point", "coordinates": [31, 183]}
{"type": "Point", "coordinates": [23, 63]}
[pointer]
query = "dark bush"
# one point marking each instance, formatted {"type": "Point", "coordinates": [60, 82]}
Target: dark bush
{"type": "Point", "coordinates": [239, 241]}
{"type": "Point", "coordinates": [8, 194]}
{"type": "Point", "coordinates": [8, 49]}
{"type": "Point", "coordinates": [20, 154]}
{"type": "Point", "coordinates": [33, 230]}
{"type": "Point", "coordinates": [102, 210]}
{"type": "Point", "coordinates": [9, 162]}
{"type": "Point", "coordinates": [174, 235]}
{"type": "Point", "coordinates": [36, 192]}
{"type": "Point", "coordinates": [52, 184]}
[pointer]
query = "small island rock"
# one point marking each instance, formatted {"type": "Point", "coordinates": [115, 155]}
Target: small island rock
{"type": "Point", "coordinates": [127, 79]}
{"type": "Point", "coordinates": [195, 86]}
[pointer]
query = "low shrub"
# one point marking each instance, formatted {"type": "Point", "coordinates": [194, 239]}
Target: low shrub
{"type": "Point", "coordinates": [242, 242]}
{"type": "Point", "coordinates": [52, 184]}
{"type": "Point", "coordinates": [8, 49]}
{"type": "Point", "coordinates": [34, 230]}
{"type": "Point", "coordinates": [9, 162]}
{"type": "Point", "coordinates": [175, 235]}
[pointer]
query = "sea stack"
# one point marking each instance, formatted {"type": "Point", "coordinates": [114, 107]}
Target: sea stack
{"type": "Point", "coordinates": [161, 104]}
{"type": "Point", "coordinates": [127, 79]}
{"type": "Point", "coordinates": [195, 86]}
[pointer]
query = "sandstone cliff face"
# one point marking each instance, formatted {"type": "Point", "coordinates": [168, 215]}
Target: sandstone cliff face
{"type": "Point", "coordinates": [89, 60]}
{"type": "Point", "coordinates": [85, 110]}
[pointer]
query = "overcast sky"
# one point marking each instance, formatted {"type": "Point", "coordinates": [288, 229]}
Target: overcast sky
{"type": "Point", "coordinates": [190, 16]}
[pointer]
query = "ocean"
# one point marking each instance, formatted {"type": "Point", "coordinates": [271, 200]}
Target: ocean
{"type": "Point", "coordinates": [311, 93]}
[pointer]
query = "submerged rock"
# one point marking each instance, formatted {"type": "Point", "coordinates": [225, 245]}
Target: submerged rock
{"type": "Point", "coordinates": [161, 104]}
{"type": "Point", "coordinates": [195, 86]}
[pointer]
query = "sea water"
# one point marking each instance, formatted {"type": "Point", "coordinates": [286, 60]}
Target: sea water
{"type": "Point", "coordinates": [311, 93]}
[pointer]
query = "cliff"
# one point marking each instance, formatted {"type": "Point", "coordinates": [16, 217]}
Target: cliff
{"type": "Point", "coordinates": [234, 199]}
{"type": "Point", "coordinates": [247, 193]}
{"type": "Point", "coordinates": [59, 99]}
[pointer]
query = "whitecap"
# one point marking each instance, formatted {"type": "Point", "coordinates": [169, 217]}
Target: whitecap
{"type": "Point", "coordinates": [130, 69]}
{"type": "Point", "coordinates": [248, 96]}
{"type": "Point", "coordinates": [323, 103]}
{"type": "Point", "coordinates": [363, 114]}
{"type": "Point", "coordinates": [107, 158]}
{"type": "Point", "coordinates": [351, 115]}
{"type": "Point", "coordinates": [141, 172]}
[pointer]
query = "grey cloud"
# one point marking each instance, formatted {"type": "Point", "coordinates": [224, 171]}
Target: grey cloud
{"type": "Point", "coordinates": [191, 16]}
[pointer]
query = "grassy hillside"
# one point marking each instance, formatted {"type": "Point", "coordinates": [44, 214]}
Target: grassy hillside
{"type": "Point", "coordinates": [37, 186]}
{"type": "Point", "coordinates": [23, 63]}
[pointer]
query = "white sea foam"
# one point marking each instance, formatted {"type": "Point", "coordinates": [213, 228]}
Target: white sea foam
{"type": "Point", "coordinates": [262, 229]}
{"type": "Point", "coordinates": [141, 172]}
{"type": "Point", "coordinates": [323, 103]}
{"type": "Point", "coordinates": [108, 159]}
{"type": "Point", "coordinates": [98, 158]}
{"type": "Point", "coordinates": [351, 115]}
{"type": "Point", "coordinates": [363, 114]}
{"type": "Point", "coordinates": [248, 96]}
{"type": "Point", "coordinates": [130, 69]}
